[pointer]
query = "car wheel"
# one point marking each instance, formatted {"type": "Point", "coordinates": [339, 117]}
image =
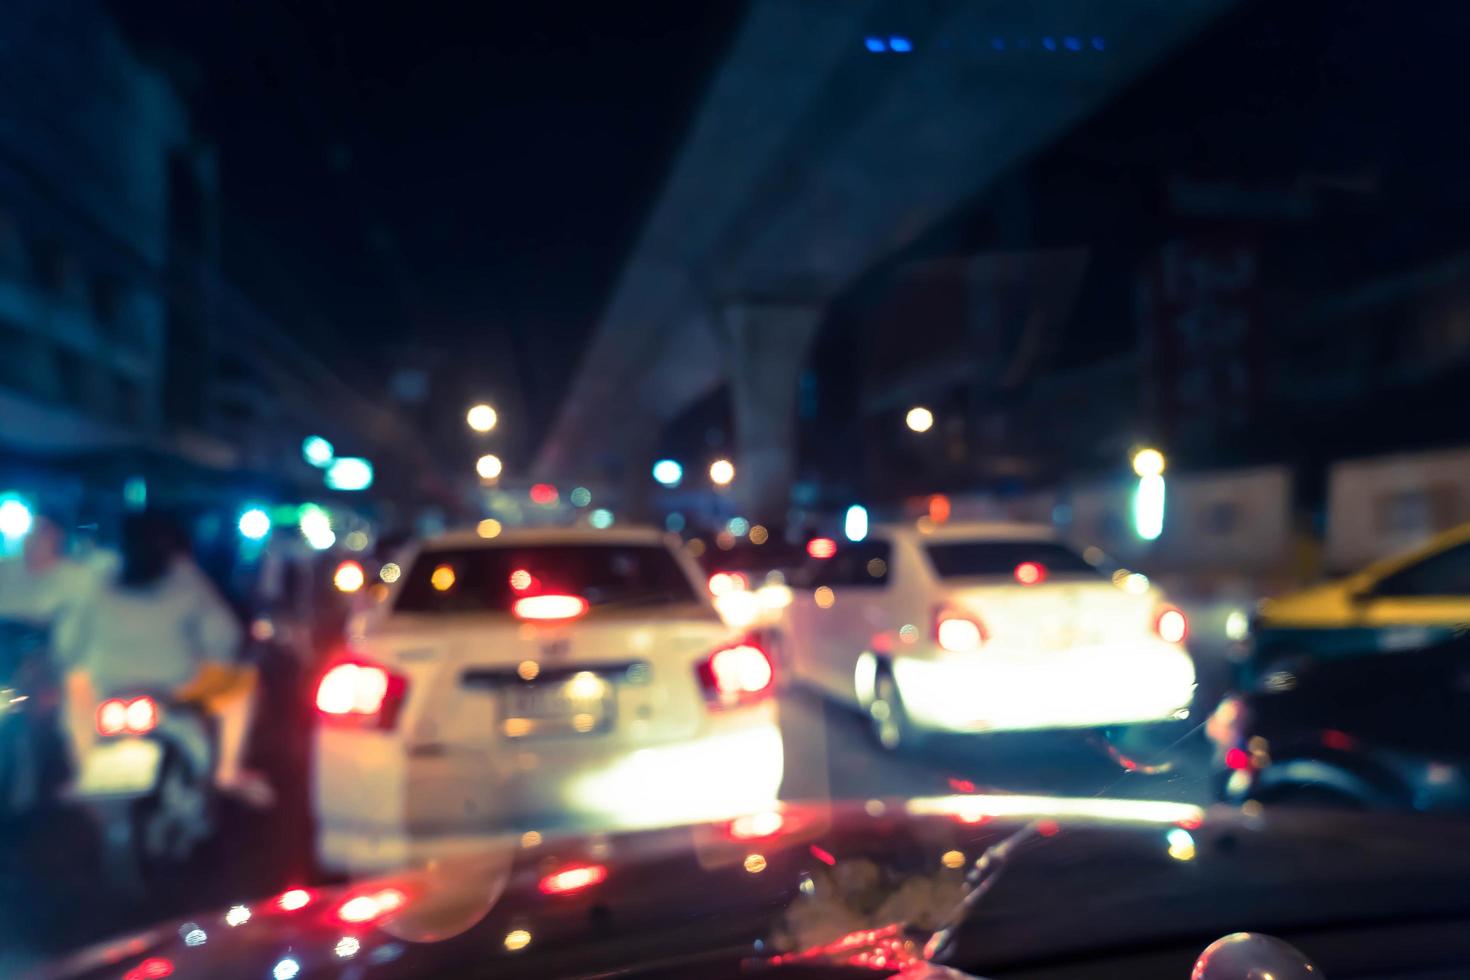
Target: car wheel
{"type": "Point", "coordinates": [887, 721]}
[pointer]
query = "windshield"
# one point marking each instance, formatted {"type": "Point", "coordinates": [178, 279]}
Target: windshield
{"type": "Point", "coordinates": [980, 558]}
{"type": "Point", "coordinates": [459, 580]}
{"type": "Point", "coordinates": [730, 466]}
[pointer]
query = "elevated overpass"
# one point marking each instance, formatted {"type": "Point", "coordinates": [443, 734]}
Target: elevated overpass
{"type": "Point", "coordinates": [834, 133]}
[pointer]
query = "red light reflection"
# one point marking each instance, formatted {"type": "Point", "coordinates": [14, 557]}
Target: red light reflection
{"type": "Point", "coordinates": [885, 948]}
{"type": "Point", "coordinates": [153, 968]}
{"type": "Point", "coordinates": [822, 855]}
{"type": "Point", "coordinates": [573, 879]}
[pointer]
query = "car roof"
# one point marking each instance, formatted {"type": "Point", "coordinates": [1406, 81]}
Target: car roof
{"type": "Point", "coordinates": [534, 536]}
{"type": "Point", "coordinates": [974, 531]}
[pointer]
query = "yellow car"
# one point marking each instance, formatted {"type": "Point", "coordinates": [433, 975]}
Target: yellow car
{"type": "Point", "coordinates": [1408, 601]}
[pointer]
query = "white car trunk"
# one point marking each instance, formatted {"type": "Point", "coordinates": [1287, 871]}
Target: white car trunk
{"type": "Point", "coordinates": [613, 676]}
{"type": "Point", "coordinates": [1055, 616]}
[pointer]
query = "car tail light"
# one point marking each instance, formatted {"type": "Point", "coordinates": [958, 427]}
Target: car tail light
{"type": "Point", "coordinates": [821, 547]}
{"type": "Point", "coordinates": [1171, 625]}
{"type": "Point", "coordinates": [549, 608]}
{"type": "Point", "coordinates": [958, 632]}
{"type": "Point", "coordinates": [1030, 573]}
{"type": "Point", "coordinates": [723, 583]}
{"type": "Point", "coordinates": [141, 717]}
{"type": "Point", "coordinates": [112, 716]}
{"type": "Point", "coordinates": [737, 674]}
{"type": "Point", "coordinates": [361, 693]}
{"type": "Point", "coordinates": [136, 716]}
{"type": "Point", "coordinates": [573, 879]}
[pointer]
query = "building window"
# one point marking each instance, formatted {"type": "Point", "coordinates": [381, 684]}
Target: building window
{"type": "Point", "coordinates": [1416, 511]}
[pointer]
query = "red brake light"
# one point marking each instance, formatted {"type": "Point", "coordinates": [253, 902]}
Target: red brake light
{"type": "Point", "coordinates": [821, 547]}
{"type": "Point", "coordinates": [573, 879]}
{"type": "Point", "coordinates": [723, 583]}
{"type": "Point", "coordinates": [112, 717]}
{"type": "Point", "coordinates": [142, 716]}
{"type": "Point", "coordinates": [1237, 758]}
{"type": "Point", "coordinates": [1030, 573]}
{"type": "Point", "coordinates": [736, 674]}
{"type": "Point", "coordinates": [1171, 625]}
{"type": "Point", "coordinates": [550, 607]}
{"type": "Point", "coordinates": [137, 716]}
{"type": "Point", "coordinates": [958, 632]}
{"type": "Point", "coordinates": [361, 692]}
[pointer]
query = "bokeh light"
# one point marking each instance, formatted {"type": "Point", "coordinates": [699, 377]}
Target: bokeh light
{"type": "Point", "coordinates": [919, 419]}
{"type": "Point", "coordinates": [722, 472]}
{"type": "Point", "coordinates": [481, 417]}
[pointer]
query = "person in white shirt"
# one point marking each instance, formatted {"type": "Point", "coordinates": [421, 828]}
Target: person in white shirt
{"type": "Point", "coordinates": [42, 587]}
{"type": "Point", "coordinates": [160, 624]}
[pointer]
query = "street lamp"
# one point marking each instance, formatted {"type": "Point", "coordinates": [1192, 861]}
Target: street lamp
{"type": "Point", "coordinates": [1148, 462]}
{"type": "Point", "coordinates": [1148, 496]}
{"type": "Point", "coordinates": [489, 466]}
{"type": "Point", "coordinates": [481, 417]}
{"type": "Point", "coordinates": [919, 419]}
{"type": "Point", "coordinates": [722, 472]}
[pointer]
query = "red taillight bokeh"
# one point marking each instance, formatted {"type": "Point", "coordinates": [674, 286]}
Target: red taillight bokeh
{"type": "Point", "coordinates": [1171, 625]}
{"type": "Point", "coordinates": [137, 716]}
{"type": "Point", "coordinates": [153, 968]}
{"type": "Point", "coordinates": [1030, 573]}
{"type": "Point", "coordinates": [361, 692]}
{"type": "Point", "coordinates": [1237, 758]}
{"type": "Point", "coordinates": [958, 632]}
{"type": "Point", "coordinates": [821, 547]}
{"type": "Point", "coordinates": [544, 494]}
{"type": "Point", "coordinates": [573, 879]}
{"type": "Point", "coordinates": [737, 674]}
{"type": "Point", "coordinates": [142, 716]}
{"type": "Point", "coordinates": [550, 607]}
{"type": "Point", "coordinates": [112, 715]}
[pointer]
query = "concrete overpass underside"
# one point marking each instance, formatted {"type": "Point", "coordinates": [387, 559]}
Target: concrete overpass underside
{"type": "Point", "coordinates": [810, 159]}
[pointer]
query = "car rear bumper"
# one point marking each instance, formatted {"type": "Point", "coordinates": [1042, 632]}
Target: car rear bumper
{"type": "Point", "coordinates": [382, 808]}
{"type": "Point", "coordinates": [989, 692]}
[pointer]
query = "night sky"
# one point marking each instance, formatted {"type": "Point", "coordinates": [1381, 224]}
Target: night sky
{"type": "Point", "coordinates": [464, 177]}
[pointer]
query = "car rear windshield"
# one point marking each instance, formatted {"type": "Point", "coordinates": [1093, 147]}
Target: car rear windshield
{"type": "Point", "coordinates": [472, 579]}
{"type": "Point", "coordinates": [967, 559]}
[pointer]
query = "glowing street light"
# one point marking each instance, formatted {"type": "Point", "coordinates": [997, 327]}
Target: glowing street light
{"type": "Point", "coordinates": [1148, 497]}
{"type": "Point", "coordinates": [15, 517]}
{"type": "Point", "coordinates": [1148, 462]}
{"type": "Point", "coordinates": [668, 472]}
{"type": "Point", "coordinates": [722, 472]}
{"type": "Point", "coordinates": [489, 466]}
{"type": "Point", "coordinates": [481, 417]}
{"type": "Point", "coordinates": [919, 419]}
{"type": "Point", "coordinates": [254, 524]}
{"type": "Point", "coordinates": [317, 451]}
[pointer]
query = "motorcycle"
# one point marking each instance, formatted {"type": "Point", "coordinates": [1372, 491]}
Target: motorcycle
{"type": "Point", "coordinates": [149, 783]}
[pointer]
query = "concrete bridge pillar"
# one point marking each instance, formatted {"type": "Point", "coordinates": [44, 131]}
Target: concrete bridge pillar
{"type": "Point", "coordinates": [768, 343]}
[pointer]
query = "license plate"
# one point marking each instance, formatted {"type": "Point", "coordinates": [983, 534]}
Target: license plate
{"type": "Point", "coordinates": [580, 705]}
{"type": "Point", "coordinates": [120, 767]}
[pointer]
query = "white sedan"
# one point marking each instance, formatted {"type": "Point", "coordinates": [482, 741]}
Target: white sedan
{"type": "Point", "coordinates": [545, 679]}
{"type": "Point", "coordinates": [981, 628]}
